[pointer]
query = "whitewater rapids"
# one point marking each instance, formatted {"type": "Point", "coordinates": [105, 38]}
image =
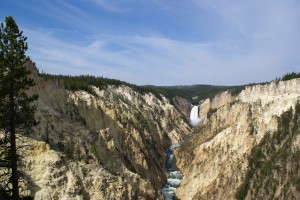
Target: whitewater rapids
{"type": "Point", "coordinates": [175, 176]}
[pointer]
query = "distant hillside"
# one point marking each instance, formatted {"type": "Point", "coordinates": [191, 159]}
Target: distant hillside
{"type": "Point", "coordinates": [194, 93]}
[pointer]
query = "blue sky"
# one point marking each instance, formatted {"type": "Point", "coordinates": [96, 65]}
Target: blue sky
{"type": "Point", "coordinates": [162, 42]}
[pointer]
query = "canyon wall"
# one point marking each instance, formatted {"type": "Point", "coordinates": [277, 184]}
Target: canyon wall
{"type": "Point", "coordinates": [182, 105]}
{"type": "Point", "coordinates": [104, 144]}
{"type": "Point", "coordinates": [110, 142]}
{"type": "Point", "coordinates": [214, 161]}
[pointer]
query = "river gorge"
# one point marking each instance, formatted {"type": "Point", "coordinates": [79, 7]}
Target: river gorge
{"type": "Point", "coordinates": [174, 175]}
{"type": "Point", "coordinates": [113, 142]}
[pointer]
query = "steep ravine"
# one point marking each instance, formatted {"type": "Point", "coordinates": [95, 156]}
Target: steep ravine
{"type": "Point", "coordinates": [107, 144]}
{"type": "Point", "coordinates": [214, 161]}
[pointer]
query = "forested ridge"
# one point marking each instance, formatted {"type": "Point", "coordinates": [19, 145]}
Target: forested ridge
{"type": "Point", "coordinates": [83, 82]}
{"type": "Point", "coordinates": [193, 93]}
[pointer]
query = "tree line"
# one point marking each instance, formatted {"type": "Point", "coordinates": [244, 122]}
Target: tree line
{"type": "Point", "coordinates": [290, 76]}
{"type": "Point", "coordinates": [83, 82]}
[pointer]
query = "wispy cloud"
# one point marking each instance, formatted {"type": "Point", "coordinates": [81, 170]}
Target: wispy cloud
{"type": "Point", "coordinates": [148, 60]}
{"type": "Point", "coordinates": [239, 41]}
{"type": "Point", "coordinates": [61, 13]}
{"type": "Point", "coordinates": [114, 6]}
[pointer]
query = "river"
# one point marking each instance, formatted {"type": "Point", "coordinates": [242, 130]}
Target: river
{"type": "Point", "coordinates": [174, 175]}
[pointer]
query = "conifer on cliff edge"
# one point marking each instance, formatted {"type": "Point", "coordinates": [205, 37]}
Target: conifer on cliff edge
{"type": "Point", "coordinates": [16, 106]}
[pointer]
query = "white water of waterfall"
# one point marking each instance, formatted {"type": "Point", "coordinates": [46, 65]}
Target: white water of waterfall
{"type": "Point", "coordinates": [194, 116]}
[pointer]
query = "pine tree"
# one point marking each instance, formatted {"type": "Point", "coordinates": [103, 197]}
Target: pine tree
{"type": "Point", "coordinates": [16, 108]}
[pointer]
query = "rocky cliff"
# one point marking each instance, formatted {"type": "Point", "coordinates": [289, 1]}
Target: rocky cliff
{"type": "Point", "coordinates": [104, 144]}
{"type": "Point", "coordinates": [110, 142]}
{"type": "Point", "coordinates": [217, 158]}
{"type": "Point", "coordinates": [182, 105]}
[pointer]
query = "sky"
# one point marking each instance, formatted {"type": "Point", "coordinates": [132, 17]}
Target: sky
{"type": "Point", "coordinates": [162, 42]}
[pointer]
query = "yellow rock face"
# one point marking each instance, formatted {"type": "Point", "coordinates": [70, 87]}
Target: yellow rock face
{"type": "Point", "coordinates": [214, 160]}
{"type": "Point", "coordinates": [107, 144]}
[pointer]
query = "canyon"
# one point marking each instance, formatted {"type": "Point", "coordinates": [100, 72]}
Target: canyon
{"type": "Point", "coordinates": [113, 143]}
{"type": "Point", "coordinates": [214, 161]}
{"type": "Point", "coordinates": [107, 144]}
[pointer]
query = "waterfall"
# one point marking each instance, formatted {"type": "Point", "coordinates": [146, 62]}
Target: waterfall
{"type": "Point", "coordinates": [194, 116]}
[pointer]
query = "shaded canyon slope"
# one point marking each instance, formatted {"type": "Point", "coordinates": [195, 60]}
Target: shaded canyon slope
{"type": "Point", "coordinates": [104, 144]}
{"type": "Point", "coordinates": [247, 147]}
{"type": "Point", "coordinates": [182, 105]}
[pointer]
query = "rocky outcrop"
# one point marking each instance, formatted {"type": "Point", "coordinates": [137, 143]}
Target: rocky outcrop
{"type": "Point", "coordinates": [104, 144]}
{"type": "Point", "coordinates": [214, 161]}
{"type": "Point", "coordinates": [50, 176]}
{"type": "Point", "coordinates": [182, 105]}
{"type": "Point", "coordinates": [207, 106]}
